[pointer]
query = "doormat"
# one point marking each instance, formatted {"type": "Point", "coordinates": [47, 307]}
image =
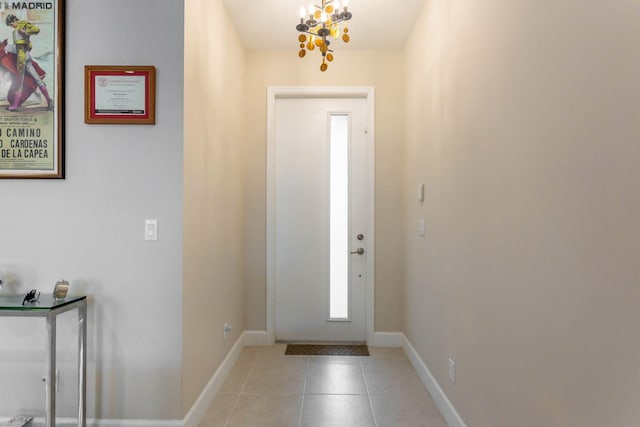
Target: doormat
{"type": "Point", "coordinates": [326, 350]}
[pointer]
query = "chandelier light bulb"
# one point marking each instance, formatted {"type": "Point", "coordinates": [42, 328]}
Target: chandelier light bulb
{"type": "Point", "coordinates": [323, 17]}
{"type": "Point", "coordinates": [345, 3]}
{"type": "Point", "coordinates": [311, 10]}
{"type": "Point", "coordinates": [303, 12]}
{"type": "Point", "coordinates": [336, 4]}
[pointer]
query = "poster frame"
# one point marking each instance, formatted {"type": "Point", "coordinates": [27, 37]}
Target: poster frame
{"type": "Point", "coordinates": [55, 87]}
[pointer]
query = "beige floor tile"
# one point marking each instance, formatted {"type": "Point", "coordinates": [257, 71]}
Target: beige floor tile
{"type": "Point", "coordinates": [265, 388]}
{"type": "Point", "coordinates": [235, 381]}
{"type": "Point", "coordinates": [275, 361]}
{"type": "Point", "coordinates": [391, 378]}
{"type": "Point", "coordinates": [406, 410]}
{"type": "Point", "coordinates": [240, 372]}
{"type": "Point", "coordinates": [219, 410]}
{"type": "Point", "coordinates": [386, 355]}
{"type": "Point", "coordinates": [278, 376]}
{"type": "Point", "coordinates": [272, 350]}
{"type": "Point", "coordinates": [266, 410]}
{"type": "Point", "coordinates": [337, 359]}
{"type": "Point", "coordinates": [252, 350]}
{"type": "Point", "coordinates": [336, 411]}
{"type": "Point", "coordinates": [335, 378]}
{"type": "Point", "coordinates": [275, 354]}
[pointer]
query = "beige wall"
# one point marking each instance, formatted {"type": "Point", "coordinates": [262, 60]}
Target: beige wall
{"type": "Point", "coordinates": [213, 189]}
{"type": "Point", "coordinates": [522, 121]}
{"type": "Point", "coordinates": [382, 70]}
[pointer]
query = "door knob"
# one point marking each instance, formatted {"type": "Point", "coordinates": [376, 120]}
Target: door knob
{"type": "Point", "coordinates": [358, 251]}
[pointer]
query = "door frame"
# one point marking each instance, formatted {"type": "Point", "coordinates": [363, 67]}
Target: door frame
{"type": "Point", "coordinates": [277, 92]}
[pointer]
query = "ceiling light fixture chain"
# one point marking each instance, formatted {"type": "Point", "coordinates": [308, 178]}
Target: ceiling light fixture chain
{"type": "Point", "coordinates": [321, 22]}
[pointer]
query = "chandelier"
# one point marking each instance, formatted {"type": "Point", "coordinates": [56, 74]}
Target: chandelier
{"type": "Point", "coordinates": [321, 23]}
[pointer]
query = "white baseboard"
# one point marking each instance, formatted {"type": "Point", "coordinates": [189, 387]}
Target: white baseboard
{"type": "Point", "coordinates": [133, 423]}
{"type": "Point", "coordinates": [72, 422]}
{"type": "Point", "coordinates": [387, 339]}
{"type": "Point", "coordinates": [200, 407]}
{"type": "Point", "coordinates": [441, 400]}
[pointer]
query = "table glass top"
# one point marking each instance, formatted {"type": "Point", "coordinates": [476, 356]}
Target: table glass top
{"type": "Point", "coordinates": [45, 302]}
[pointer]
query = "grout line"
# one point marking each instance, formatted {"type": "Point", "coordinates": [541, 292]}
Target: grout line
{"type": "Point", "coordinates": [304, 390]}
{"type": "Point", "coordinates": [366, 385]}
{"type": "Point", "coordinates": [255, 362]}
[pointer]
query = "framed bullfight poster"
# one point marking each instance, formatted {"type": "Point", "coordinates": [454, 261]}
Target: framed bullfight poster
{"type": "Point", "coordinates": [31, 89]}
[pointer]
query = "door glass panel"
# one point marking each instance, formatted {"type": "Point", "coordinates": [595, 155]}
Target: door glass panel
{"type": "Point", "coordinates": [339, 218]}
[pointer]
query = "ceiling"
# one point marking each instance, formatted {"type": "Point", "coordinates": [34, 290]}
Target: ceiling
{"type": "Point", "coordinates": [270, 24]}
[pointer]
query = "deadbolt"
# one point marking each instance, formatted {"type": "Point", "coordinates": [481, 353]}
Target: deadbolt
{"type": "Point", "coordinates": [360, 237]}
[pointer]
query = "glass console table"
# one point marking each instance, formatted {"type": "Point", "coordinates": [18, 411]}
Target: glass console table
{"type": "Point", "coordinates": [49, 307]}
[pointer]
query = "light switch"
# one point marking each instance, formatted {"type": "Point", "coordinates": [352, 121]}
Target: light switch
{"type": "Point", "coordinates": [151, 229]}
{"type": "Point", "coordinates": [421, 227]}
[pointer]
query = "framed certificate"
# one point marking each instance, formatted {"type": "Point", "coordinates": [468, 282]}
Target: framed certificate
{"type": "Point", "coordinates": [120, 94]}
{"type": "Point", "coordinates": [32, 89]}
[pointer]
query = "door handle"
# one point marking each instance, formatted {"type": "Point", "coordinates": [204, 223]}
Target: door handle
{"type": "Point", "coordinates": [358, 251]}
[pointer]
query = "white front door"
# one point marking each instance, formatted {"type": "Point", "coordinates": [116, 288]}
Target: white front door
{"type": "Point", "coordinates": [320, 219]}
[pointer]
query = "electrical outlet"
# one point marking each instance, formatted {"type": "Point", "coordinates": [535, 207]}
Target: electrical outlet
{"type": "Point", "coordinates": [227, 329]}
{"type": "Point", "coordinates": [452, 371]}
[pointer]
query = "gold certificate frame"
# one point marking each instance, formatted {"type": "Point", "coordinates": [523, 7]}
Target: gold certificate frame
{"type": "Point", "coordinates": [32, 89]}
{"type": "Point", "coordinates": [122, 94]}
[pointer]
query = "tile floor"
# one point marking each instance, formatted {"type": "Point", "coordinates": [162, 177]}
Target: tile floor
{"type": "Point", "coordinates": [267, 388]}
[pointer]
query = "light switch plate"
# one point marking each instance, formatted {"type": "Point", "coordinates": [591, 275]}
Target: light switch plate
{"type": "Point", "coordinates": [151, 229]}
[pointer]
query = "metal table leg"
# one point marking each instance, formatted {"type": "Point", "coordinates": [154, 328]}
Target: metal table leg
{"type": "Point", "coordinates": [82, 364]}
{"type": "Point", "coordinates": [50, 419]}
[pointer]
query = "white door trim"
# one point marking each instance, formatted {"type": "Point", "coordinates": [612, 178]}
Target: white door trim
{"type": "Point", "coordinates": [274, 93]}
